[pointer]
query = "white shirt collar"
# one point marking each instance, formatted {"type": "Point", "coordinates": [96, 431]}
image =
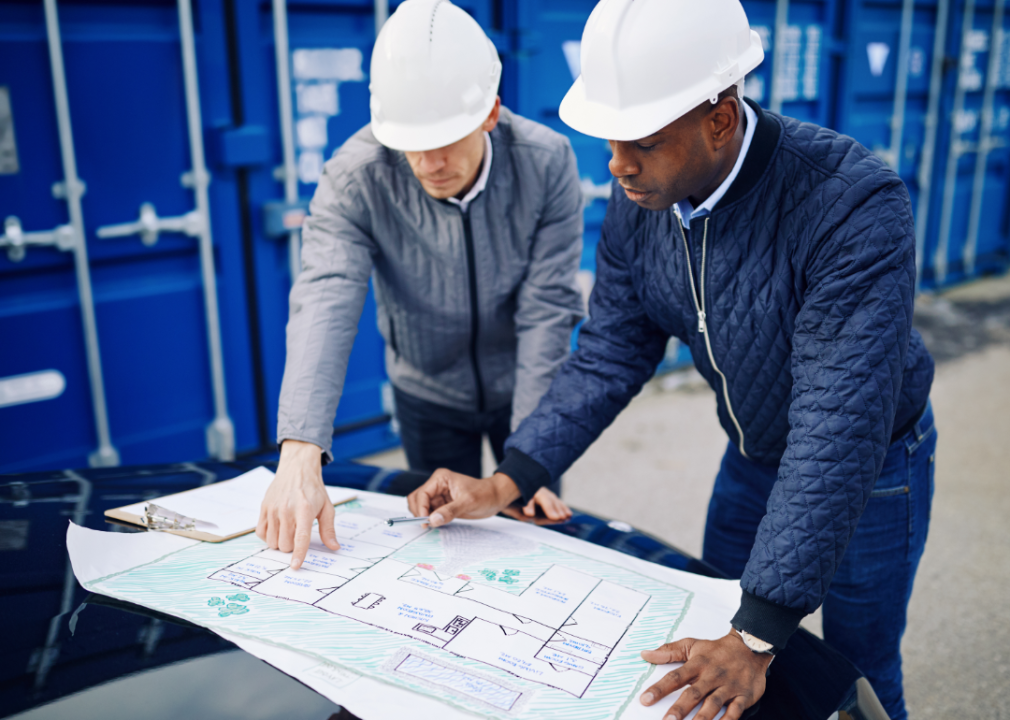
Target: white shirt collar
{"type": "Point", "coordinates": [688, 211]}
{"type": "Point", "coordinates": [481, 179]}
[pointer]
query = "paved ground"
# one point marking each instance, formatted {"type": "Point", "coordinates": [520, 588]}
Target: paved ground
{"type": "Point", "coordinates": [655, 466]}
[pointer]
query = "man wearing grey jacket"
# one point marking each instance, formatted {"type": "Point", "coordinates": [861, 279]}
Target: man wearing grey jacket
{"type": "Point", "coordinates": [471, 218]}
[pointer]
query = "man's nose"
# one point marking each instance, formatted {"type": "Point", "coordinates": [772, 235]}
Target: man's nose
{"type": "Point", "coordinates": [432, 162]}
{"type": "Point", "coordinates": [623, 162]}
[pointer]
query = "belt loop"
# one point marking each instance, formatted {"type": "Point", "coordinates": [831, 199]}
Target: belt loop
{"type": "Point", "coordinates": [920, 432]}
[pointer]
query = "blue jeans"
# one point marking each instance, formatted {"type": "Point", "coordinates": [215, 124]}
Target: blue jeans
{"type": "Point", "coordinates": [865, 610]}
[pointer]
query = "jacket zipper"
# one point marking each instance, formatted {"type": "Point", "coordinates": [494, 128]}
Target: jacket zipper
{"type": "Point", "coordinates": [471, 263]}
{"type": "Point", "coordinates": [702, 325]}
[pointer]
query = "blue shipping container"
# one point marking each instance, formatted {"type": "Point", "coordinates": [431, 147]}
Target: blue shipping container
{"type": "Point", "coordinates": [149, 370]}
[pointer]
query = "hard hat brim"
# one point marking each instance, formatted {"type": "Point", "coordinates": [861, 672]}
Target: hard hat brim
{"type": "Point", "coordinates": [421, 138]}
{"type": "Point", "coordinates": [640, 121]}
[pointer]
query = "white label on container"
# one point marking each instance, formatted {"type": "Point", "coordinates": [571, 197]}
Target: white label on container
{"type": "Point", "coordinates": [573, 56]}
{"type": "Point", "coordinates": [754, 88]}
{"type": "Point", "coordinates": [31, 387]}
{"type": "Point", "coordinates": [8, 147]}
{"type": "Point", "coordinates": [340, 64]}
{"type": "Point", "coordinates": [311, 132]}
{"type": "Point", "coordinates": [916, 62]}
{"type": "Point", "coordinates": [966, 121]}
{"type": "Point", "coordinates": [317, 99]}
{"type": "Point", "coordinates": [970, 77]}
{"type": "Point", "coordinates": [878, 52]}
{"type": "Point", "coordinates": [310, 166]}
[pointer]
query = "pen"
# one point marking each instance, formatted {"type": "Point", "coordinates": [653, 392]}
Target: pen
{"type": "Point", "coordinates": [396, 521]}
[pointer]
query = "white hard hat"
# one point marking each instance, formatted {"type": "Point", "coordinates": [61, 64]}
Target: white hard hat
{"type": "Point", "coordinates": [434, 76]}
{"type": "Point", "coordinates": [646, 63]}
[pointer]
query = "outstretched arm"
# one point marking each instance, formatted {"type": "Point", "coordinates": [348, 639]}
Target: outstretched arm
{"type": "Point", "coordinates": [325, 306]}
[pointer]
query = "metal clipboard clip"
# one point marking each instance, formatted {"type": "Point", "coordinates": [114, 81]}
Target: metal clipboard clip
{"type": "Point", "coordinates": [162, 519]}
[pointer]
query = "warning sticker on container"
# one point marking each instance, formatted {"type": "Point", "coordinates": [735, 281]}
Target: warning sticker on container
{"type": "Point", "coordinates": [8, 147]}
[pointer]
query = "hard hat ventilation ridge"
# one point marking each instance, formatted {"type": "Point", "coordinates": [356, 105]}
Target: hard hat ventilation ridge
{"type": "Point", "coordinates": [431, 24]}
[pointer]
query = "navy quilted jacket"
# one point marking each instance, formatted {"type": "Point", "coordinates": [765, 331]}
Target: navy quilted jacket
{"type": "Point", "coordinates": [805, 272]}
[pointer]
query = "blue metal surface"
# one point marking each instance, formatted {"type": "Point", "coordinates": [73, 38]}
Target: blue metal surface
{"type": "Point", "coordinates": [124, 79]}
{"type": "Point", "coordinates": [126, 97]}
{"type": "Point", "coordinates": [809, 59]}
{"type": "Point", "coordinates": [946, 249]}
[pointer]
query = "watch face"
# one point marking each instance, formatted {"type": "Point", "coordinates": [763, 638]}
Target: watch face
{"type": "Point", "coordinates": [755, 644]}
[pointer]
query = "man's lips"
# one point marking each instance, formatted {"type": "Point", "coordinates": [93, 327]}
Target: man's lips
{"type": "Point", "coordinates": [635, 195]}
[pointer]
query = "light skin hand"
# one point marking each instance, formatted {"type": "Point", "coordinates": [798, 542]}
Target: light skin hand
{"type": "Point", "coordinates": [296, 498]}
{"type": "Point", "coordinates": [447, 496]}
{"type": "Point", "coordinates": [553, 508]}
{"type": "Point", "coordinates": [721, 672]}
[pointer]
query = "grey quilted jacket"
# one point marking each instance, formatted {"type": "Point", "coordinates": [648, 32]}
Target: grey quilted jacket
{"type": "Point", "coordinates": [804, 276]}
{"type": "Point", "coordinates": [477, 309]}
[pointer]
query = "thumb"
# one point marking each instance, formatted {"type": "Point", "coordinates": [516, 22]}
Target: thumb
{"type": "Point", "coordinates": [326, 531]}
{"type": "Point", "coordinates": [531, 508]}
{"type": "Point", "coordinates": [446, 513]}
{"type": "Point", "coordinates": [678, 651]}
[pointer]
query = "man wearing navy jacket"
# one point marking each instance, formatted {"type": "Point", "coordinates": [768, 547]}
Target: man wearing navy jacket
{"type": "Point", "coordinates": [783, 254]}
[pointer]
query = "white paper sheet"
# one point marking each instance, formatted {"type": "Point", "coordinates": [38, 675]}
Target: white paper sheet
{"type": "Point", "coordinates": [227, 507]}
{"type": "Point", "coordinates": [96, 555]}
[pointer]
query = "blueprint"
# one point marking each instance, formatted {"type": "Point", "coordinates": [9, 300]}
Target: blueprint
{"type": "Point", "coordinates": [490, 618]}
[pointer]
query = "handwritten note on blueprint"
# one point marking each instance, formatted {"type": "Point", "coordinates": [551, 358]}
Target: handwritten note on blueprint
{"type": "Point", "coordinates": [493, 618]}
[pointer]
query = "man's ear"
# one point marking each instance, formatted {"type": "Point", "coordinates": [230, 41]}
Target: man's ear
{"type": "Point", "coordinates": [492, 119]}
{"type": "Point", "coordinates": [724, 119]}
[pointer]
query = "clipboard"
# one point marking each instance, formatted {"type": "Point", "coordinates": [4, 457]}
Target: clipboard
{"type": "Point", "coordinates": [231, 505]}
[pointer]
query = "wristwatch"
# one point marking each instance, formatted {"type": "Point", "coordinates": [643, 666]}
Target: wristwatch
{"type": "Point", "coordinates": [756, 645]}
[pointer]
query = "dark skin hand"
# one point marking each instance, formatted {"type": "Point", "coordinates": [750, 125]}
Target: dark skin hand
{"type": "Point", "coordinates": [721, 672]}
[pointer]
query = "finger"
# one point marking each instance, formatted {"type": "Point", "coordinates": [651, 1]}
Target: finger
{"type": "Point", "coordinates": [273, 527]}
{"type": "Point", "coordinates": [711, 706]}
{"type": "Point", "coordinates": [261, 524]}
{"type": "Point", "coordinates": [327, 533]}
{"type": "Point", "coordinates": [671, 652]}
{"type": "Point", "coordinates": [556, 509]}
{"type": "Point", "coordinates": [530, 510]}
{"type": "Point", "coordinates": [421, 501]}
{"type": "Point", "coordinates": [286, 531]}
{"type": "Point", "coordinates": [672, 681]}
{"type": "Point", "coordinates": [692, 697]}
{"type": "Point", "coordinates": [446, 513]}
{"type": "Point", "coordinates": [302, 536]}
{"type": "Point", "coordinates": [736, 709]}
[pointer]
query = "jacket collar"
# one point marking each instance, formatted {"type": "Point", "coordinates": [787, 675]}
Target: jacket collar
{"type": "Point", "coordinates": [763, 147]}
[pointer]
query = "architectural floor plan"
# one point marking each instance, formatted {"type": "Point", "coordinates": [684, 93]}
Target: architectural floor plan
{"type": "Point", "coordinates": [558, 630]}
{"type": "Point", "coordinates": [493, 618]}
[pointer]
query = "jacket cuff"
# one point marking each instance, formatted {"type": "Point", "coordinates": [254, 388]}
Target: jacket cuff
{"type": "Point", "coordinates": [766, 620]}
{"type": "Point", "coordinates": [528, 475]}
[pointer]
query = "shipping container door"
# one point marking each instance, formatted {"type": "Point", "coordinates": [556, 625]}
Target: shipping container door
{"type": "Point", "coordinates": [125, 87]}
{"type": "Point", "coordinates": [868, 98]}
{"type": "Point", "coordinates": [968, 221]}
{"type": "Point", "coordinates": [801, 61]}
